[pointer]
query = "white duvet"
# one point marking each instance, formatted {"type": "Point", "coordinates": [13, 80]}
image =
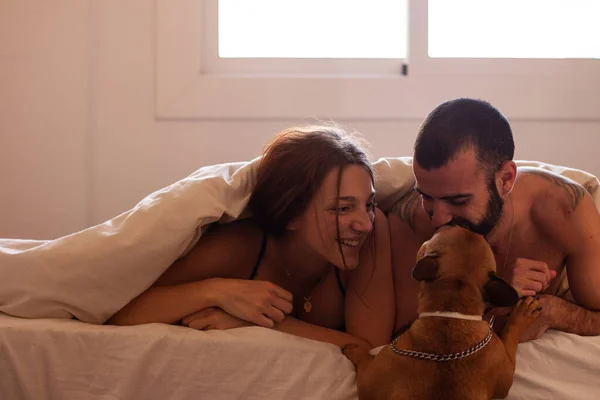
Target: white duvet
{"type": "Point", "coordinates": [91, 274]}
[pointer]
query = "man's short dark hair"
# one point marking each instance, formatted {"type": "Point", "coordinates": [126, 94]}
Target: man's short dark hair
{"type": "Point", "coordinates": [461, 124]}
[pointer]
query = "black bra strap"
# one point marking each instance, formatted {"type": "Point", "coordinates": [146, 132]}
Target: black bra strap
{"type": "Point", "coordinates": [263, 247]}
{"type": "Point", "coordinates": [339, 281]}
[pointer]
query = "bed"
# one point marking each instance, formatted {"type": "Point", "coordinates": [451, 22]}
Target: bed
{"type": "Point", "coordinates": [55, 295]}
{"type": "Point", "coordinates": [69, 359]}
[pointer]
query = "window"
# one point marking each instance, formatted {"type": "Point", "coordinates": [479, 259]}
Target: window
{"type": "Point", "coordinates": [312, 29]}
{"type": "Point", "coordinates": [306, 37]}
{"type": "Point", "coordinates": [549, 41]}
{"type": "Point", "coordinates": [453, 48]}
{"type": "Point", "coordinates": [514, 29]}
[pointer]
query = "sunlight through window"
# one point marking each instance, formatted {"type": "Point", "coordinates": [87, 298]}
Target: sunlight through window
{"type": "Point", "coordinates": [312, 28]}
{"type": "Point", "coordinates": [514, 28]}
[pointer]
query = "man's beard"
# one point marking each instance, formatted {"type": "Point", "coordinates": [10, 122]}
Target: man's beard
{"type": "Point", "coordinates": [492, 214]}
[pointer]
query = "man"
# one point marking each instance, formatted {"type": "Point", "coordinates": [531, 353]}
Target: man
{"type": "Point", "coordinates": [541, 226]}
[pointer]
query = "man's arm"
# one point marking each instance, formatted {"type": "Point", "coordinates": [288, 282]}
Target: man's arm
{"type": "Point", "coordinates": [583, 260]}
{"type": "Point", "coordinates": [568, 317]}
{"type": "Point", "coordinates": [564, 213]}
{"type": "Point", "coordinates": [406, 209]}
{"type": "Point", "coordinates": [569, 218]}
{"type": "Point", "coordinates": [556, 313]}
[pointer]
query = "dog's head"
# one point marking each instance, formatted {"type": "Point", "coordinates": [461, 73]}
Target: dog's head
{"type": "Point", "coordinates": [457, 254]}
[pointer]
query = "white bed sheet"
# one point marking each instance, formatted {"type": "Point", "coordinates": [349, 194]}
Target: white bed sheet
{"type": "Point", "coordinates": [559, 366]}
{"type": "Point", "coordinates": [67, 359]}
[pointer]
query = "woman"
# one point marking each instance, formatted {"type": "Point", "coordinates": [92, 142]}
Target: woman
{"type": "Point", "coordinates": [313, 261]}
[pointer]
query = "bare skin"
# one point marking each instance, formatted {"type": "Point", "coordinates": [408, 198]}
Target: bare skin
{"type": "Point", "coordinates": [209, 288]}
{"type": "Point", "coordinates": [556, 231]}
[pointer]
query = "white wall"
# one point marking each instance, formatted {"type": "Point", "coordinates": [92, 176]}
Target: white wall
{"type": "Point", "coordinates": [79, 142]}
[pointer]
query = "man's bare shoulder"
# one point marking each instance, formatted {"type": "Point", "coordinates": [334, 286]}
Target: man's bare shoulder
{"type": "Point", "coordinates": [554, 199]}
{"type": "Point", "coordinates": [550, 191]}
{"type": "Point", "coordinates": [409, 213]}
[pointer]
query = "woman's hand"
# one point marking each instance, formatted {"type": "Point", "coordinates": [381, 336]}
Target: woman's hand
{"type": "Point", "coordinates": [259, 302]}
{"type": "Point", "coordinates": [213, 318]}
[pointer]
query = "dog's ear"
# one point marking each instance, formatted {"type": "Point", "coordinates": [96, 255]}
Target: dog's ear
{"type": "Point", "coordinates": [499, 292]}
{"type": "Point", "coordinates": [426, 269]}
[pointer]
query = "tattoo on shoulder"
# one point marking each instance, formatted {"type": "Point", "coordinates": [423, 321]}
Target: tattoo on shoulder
{"type": "Point", "coordinates": [406, 208]}
{"type": "Point", "coordinates": [574, 191]}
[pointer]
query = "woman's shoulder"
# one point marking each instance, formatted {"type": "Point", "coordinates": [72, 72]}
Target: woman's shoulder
{"type": "Point", "coordinates": [239, 238]}
{"type": "Point", "coordinates": [242, 228]}
{"type": "Point", "coordinates": [225, 250]}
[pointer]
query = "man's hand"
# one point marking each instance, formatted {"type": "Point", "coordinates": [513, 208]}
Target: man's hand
{"type": "Point", "coordinates": [213, 318]}
{"type": "Point", "coordinates": [528, 277]}
{"type": "Point", "coordinates": [259, 302]}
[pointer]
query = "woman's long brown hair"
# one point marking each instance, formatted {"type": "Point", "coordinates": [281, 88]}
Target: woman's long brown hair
{"type": "Point", "coordinates": [293, 168]}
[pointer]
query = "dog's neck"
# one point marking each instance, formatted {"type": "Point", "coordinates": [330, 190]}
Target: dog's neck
{"type": "Point", "coordinates": [451, 296]}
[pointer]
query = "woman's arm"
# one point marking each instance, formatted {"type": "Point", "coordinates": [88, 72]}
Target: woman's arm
{"type": "Point", "coordinates": [259, 302]}
{"type": "Point", "coordinates": [166, 304]}
{"type": "Point", "coordinates": [196, 282]}
{"type": "Point", "coordinates": [300, 328]}
{"type": "Point", "coordinates": [216, 318]}
{"type": "Point", "coordinates": [370, 302]}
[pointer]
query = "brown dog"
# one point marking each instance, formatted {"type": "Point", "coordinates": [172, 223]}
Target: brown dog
{"type": "Point", "coordinates": [450, 352]}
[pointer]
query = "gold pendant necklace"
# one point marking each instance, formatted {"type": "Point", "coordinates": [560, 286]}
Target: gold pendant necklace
{"type": "Point", "coordinates": [307, 303]}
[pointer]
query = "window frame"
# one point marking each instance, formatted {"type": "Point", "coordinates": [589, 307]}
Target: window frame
{"type": "Point", "coordinates": [298, 67]}
{"type": "Point", "coordinates": [527, 89]}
